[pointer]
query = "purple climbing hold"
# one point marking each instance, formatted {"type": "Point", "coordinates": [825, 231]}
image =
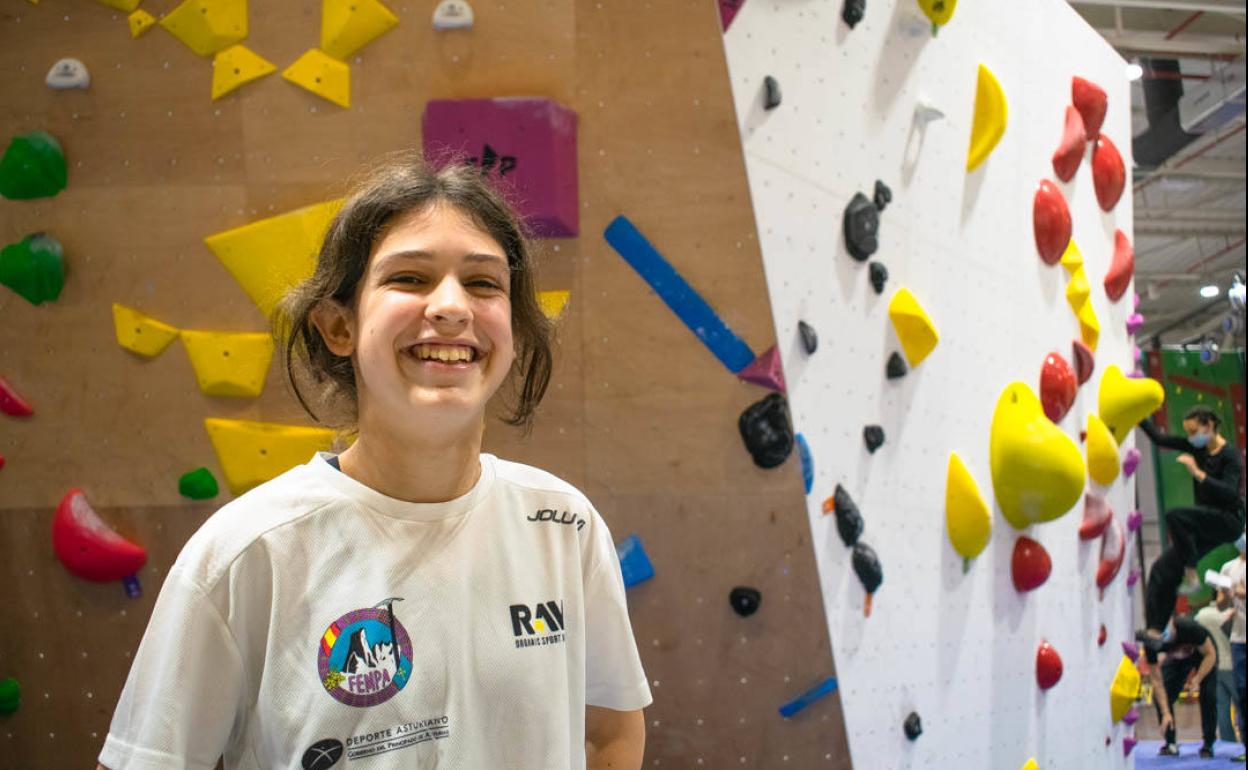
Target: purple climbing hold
{"type": "Point", "coordinates": [1133, 577]}
{"type": "Point", "coordinates": [1131, 717]}
{"type": "Point", "coordinates": [1131, 650]}
{"type": "Point", "coordinates": [766, 370]}
{"type": "Point", "coordinates": [1128, 743]}
{"type": "Point", "coordinates": [1134, 520]}
{"type": "Point", "coordinates": [1130, 462]}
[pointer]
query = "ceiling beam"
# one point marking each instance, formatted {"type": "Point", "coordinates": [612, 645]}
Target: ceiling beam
{"type": "Point", "coordinates": [1190, 6]}
{"type": "Point", "coordinates": [1156, 42]}
{"type": "Point", "coordinates": [1190, 228]}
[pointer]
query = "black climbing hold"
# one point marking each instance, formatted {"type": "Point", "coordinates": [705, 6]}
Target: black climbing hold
{"type": "Point", "coordinates": [879, 277]}
{"type": "Point", "coordinates": [913, 726]}
{"type": "Point", "coordinates": [867, 567]}
{"type": "Point", "coordinates": [771, 95]}
{"type": "Point", "coordinates": [852, 11]}
{"type": "Point", "coordinates": [896, 367]}
{"type": "Point", "coordinates": [862, 225]}
{"type": "Point", "coordinates": [883, 195]}
{"type": "Point", "coordinates": [810, 340]}
{"type": "Point", "coordinates": [765, 428]}
{"type": "Point", "coordinates": [848, 520]}
{"type": "Point", "coordinates": [873, 435]}
{"type": "Point", "coordinates": [745, 600]}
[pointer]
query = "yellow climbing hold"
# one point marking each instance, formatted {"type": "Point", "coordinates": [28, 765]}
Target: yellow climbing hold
{"type": "Point", "coordinates": [140, 21]}
{"type": "Point", "coordinates": [553, 302]}
{"type": "Point", "coordinates": [1102, 452]}
{"type": "Point", "coordinates": [208, 26]}
{"type": "Point", "coordinates": [939, 12]}
{"type": "Point", "coordinates": [1072, 259]}
{"type": "Point", "coordinates": [1037, 470]}
{"type": "Point", "coordinates": [991, 112]}
{"type": "Point", "coordinates": [1124, 689]}
{"type": "Point", "coordinates": [236, 66]}
{"type": "Point", "coordinates": [323, 75]}
{"type": "Point", "coordinates": [967, 516]}
{"type": "Point", "coordinates": [915, 329]}
{"type": "Point", "coordinates": [1089, 325]}
{"type": "Point", "coordinates": [1030, 764]}
{"type": "Point", "coordinates": [228, 363]}
{"type": "Point", "coordinates": [141, 333]}
{"type": "Point", "coordinates": [251, 453]}
{"type": "Point", "coordinates": [1122, 401]}
{"type": "Point", "coordinates": [269, 256]}
{"type": "Point", "coordinates": [349, 25]}
{"type": "Point", "coordinates": [122, 5]}
{"type": "Point", "coordinates": [1078, 290]}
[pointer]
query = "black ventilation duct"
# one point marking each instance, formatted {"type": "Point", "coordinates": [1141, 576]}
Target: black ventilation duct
{"type": "Point", "coordinates": [1163, 87]}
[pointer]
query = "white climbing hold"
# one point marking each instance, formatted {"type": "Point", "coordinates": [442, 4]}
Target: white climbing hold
{"type": "Point", "coordinates": [68, 73]}
{"type": "Point", "coordinates": [452, 14]}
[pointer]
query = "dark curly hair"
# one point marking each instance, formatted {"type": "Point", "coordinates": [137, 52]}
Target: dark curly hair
{"type": "Point", "coordinates": [1203, 415]}
{"type": "Point", "coordinates": [401, 183]}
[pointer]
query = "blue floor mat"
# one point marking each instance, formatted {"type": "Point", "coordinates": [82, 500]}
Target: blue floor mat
{"type": "Point", "coordinates": [1146, 756]}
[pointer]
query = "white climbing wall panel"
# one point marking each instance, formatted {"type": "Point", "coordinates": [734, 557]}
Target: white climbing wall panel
{"type": "Point", "coordinates": [957, 648]}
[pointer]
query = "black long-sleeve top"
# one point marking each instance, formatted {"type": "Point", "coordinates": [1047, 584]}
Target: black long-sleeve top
{"type": "Point", "coordinates": [1223, 470]}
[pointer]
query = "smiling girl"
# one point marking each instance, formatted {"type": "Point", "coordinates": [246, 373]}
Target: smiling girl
{"type": "Point", "coordinates": [411, 602]}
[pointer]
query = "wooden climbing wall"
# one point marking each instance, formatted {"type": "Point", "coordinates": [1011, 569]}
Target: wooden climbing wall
{"type": "Point", "coordinates": [640, 416]}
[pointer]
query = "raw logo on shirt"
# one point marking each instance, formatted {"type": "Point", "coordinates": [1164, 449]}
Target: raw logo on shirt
{"type": "Point", "coordinates": [539, 625]}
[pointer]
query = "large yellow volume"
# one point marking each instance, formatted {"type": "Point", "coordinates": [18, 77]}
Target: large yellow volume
{"type": "Point", "coordinates": [270, 256]}
{"type": "Point", "coordinates": [349, 25]}
{"type": "Point", "coordinates": [323, 75]}
{"type": "Point", "coordinates": [208, 26]}
{"type": "Point", "coordinates": [1037, 470]}
{"type": "Point", "coordinates": [229, 364]}
{"type": "Point", "coordinates": [991, 112]}
{"type": "Point", "coordinates": [1102, 452]}
{"type": "Point", "coordinates": [141, 333]}
{"type": "Point", "coordinates": [553, 302]}
{"type": "Point", "coordinates": [967, 516]}
{"type": "Point", "coordinates": [915, 329]}
{"type": "Point", "coordinates": [1124, 689]}
{"type": "Point", "coordinates": [236, 66]}
{"type": "Point", "coordinates": [251, 453]}
{"type": "Point", "coordinates": [1122, 401]}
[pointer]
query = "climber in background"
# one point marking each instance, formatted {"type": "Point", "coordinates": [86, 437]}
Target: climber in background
{"type": "Point", "coordinates": [1217, 517]}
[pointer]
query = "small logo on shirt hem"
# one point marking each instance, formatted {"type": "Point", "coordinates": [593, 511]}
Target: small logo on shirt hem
{"type": "Point", "coordinates": [558, 517]}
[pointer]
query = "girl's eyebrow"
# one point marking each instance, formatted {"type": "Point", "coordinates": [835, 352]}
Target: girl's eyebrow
{"type": "Point", "coordinates": [395, 256]}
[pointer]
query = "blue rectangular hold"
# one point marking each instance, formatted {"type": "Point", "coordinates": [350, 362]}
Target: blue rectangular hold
{"type": "Point", "coordinates": [682, 298]}
{"type": "Point", "coordinates": [634, 563]}
{"type": "Point", "coordinates": [826, 687]}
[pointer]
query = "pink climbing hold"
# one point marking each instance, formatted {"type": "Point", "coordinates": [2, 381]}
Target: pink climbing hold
{"type": "Point", "coordinates": [1134, 520]}
{"type": "Point", "coordinates": [1069, 153]}
{"type": "Point", "coordinates": [766, 370]}
{"type": "Point", "coordinates": [1131, 650]}
{"type": "Point", "coordinates": [1085, 361]}
{"type": "Point", "coordinates": [1128, 743]}
{"type": "Point", "coordinates": [1129, 464]}
{"type": "Point", "coordinates": [1133, 577]}
{"type": "Point", "coordinates": [1096, 517]}
{"type": "Point", "coordinates": [1135, 322]}
{"type": "Point", "coordinates": [728, 11]}
{"type": "Point", "coordinates": [1131, 717]}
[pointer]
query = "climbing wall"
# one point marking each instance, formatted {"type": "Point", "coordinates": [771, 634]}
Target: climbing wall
{"type": "Point", "coordinates": [956, 648]}
{"type": "Point", "coordinates": [639, 414]}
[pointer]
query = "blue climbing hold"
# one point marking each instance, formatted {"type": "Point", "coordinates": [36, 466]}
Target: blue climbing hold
{"type": "Point", "coordinates": [808, 463]}
{"type": "Point", "coordinates": [634, 563]}
{"type": "Point", "coordinates": [826, 687]}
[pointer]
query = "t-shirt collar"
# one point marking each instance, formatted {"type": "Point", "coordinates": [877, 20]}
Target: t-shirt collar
{"type": "Point", "coordinates": [390, 506]}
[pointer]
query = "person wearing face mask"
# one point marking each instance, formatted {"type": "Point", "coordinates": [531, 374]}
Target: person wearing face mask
{"type": "Point", "coordinates": [1216, 518]}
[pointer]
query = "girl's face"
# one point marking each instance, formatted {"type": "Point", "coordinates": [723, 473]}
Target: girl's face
{"type": "Point", "coordinates": [430, 333]}
{"type": "Point", "coordinates": [1199, 435]}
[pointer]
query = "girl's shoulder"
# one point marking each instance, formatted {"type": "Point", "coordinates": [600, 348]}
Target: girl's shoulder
{"type": "Point", "coordinates": [533, 479]}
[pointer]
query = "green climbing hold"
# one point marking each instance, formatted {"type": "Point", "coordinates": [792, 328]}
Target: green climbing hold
{"type": "Point", "coordinates": [10, 695]}
{"type": "Point", "coordinates": [33, 167]}
{"type": "Point", "coordinates": [34, 267]}
{"type": "Point", "coordinates": [199, 484]}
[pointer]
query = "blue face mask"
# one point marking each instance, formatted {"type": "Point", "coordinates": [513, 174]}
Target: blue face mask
{"type": "Point", "coordinates": [1240, 543]}
{"type": "Point", "coordinates": [1200, 440]}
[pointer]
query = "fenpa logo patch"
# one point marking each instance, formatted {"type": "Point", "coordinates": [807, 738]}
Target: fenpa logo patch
{"type": "Point", "coordinates": [365, 656]}
{"type": "Point", "coordinates": [538, 625]}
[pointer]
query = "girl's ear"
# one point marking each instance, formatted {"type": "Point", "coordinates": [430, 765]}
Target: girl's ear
{"type": "Point", "coordinates": [336, 323]}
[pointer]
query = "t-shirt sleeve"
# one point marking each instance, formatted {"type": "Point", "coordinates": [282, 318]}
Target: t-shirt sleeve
{"type": "Point", "coordinates": [182, 698]}
{"type": "Point", "coordinates": [614, 677]}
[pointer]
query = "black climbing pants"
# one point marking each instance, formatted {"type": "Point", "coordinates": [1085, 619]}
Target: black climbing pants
{"type": "Point", "coordinates": [1174, 673]}
{"type": "Point", "coordinates": [1193, 533]}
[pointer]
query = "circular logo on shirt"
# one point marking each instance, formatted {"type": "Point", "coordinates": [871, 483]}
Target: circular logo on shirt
{"type": "Point", "coordinates": [365, 656]}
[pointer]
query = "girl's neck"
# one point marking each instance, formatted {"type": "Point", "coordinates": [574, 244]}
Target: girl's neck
{"type": "Point", "coordinates": [414, 470]}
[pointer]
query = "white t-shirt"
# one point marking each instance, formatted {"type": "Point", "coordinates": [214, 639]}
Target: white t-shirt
{"type": "Point", "coordinates": [271, 640]}
{"type": "Point", "coordinates": [1234, 569]}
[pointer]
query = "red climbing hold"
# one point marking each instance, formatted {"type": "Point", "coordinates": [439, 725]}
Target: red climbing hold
{"type": "Point", "coordinates": [1090, 100]}
{"type": "Point", "coordinates": [1069, 153]}
{"type": "Point", "coordinates": [1048, 666]}
{"type": "Point", "coordinates": [1031, 564]}
{"type": "Point", "coordinates": [1109, 176]}
{"type": "Point", "coordinates": [1051, 220]}
{"type": "Point", "coordinates": [1096, 516]}
{"type": "Point", "coordinates": [1121, 269]}
{"type": "Point", "coordinates": [11, 403]}
{"type": "Point", "coordinates": [87, 546]}
{"type": "Point", "coordinates": [1085, 361]}
{"type": "Point", "coordinates": [1057, 387]}
{"type": "Point", "coordinates": [1113, 549]}
{"type": "Point", "coordinates": [1100, 637]}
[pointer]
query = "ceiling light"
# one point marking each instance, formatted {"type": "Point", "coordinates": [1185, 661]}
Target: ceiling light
{"type": "Point", "coordinates": [1134, 71]}
{"type": "Point", "coordinates": [1209, 291]}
